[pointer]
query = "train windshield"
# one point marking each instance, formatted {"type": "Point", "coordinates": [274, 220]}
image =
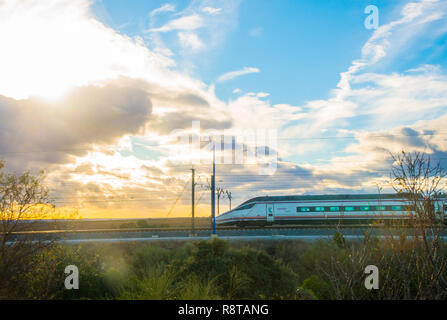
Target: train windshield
{"type": "Point", "coordinates": [248, 206]}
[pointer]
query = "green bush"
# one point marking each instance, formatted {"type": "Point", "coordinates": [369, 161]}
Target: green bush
{"type": "Point", "coordinates": [229, 270]}
{"type": "Point", "coordinates": [318, 287]}
{"type": "Point", "coordinates": [195, 289]}
{"type": "Point", "coordinates": [240, 273]}
{"type": "Point", "coordinates": [158, 284]}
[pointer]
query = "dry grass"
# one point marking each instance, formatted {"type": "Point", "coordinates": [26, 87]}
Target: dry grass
{"type": "Point", "coordinates": [121, 224]}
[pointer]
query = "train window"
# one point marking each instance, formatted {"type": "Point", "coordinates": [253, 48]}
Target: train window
{"type": "Point", "coordinates": [364, 208]}
{"type": "Point", "coordinates": [248, 206]}
{"type": "Point", "coordinates": [302, 209]}
{"type": "Point", "coordinates": [397, 208]}
{"type": "Point", "coordinates": [319, 208]}
{"type": "Point", "coordinates": [349, 208]}
{"type": "Point", "coordinates": [380, 208]}
{"type": "Point", "coordinates": [334, 208]}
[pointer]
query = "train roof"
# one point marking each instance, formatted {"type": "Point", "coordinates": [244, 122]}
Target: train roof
{"type": "Point", "coordinates": [331, 197]}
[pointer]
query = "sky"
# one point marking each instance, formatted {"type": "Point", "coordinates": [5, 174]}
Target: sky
{"type": "Point", "coordinates": [117, 100]}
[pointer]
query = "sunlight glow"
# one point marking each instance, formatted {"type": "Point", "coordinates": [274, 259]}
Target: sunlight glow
{"type": "Point", "coordinates": [56, 45]}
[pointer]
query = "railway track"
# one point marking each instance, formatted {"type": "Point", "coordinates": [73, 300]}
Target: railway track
{"type": "Point", "coordinates": [305, 233]}
{"type": "Point", "coordinates": [186, 229]}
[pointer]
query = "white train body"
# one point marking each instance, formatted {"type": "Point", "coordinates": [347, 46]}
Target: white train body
{"type": "Point", "coordinates": [322, 209]}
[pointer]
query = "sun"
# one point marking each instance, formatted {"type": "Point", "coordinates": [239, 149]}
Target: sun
{"type": "Point", "coordinates": [50, 47]}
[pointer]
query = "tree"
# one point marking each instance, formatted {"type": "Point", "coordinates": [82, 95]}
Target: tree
{"type": "Point", "coordinates": [422, 182]}
{"type": "Point", "coordinates": [23, 201]}
{"type": "Point", "coordinates": [411, 257]}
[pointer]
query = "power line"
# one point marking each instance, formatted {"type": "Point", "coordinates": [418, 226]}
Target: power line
{"type": "Point", "coordinates": [259, 189]}
{"type": "Point", "coordinates": [175, 202]}
{"type": "Point", "coordinates": [282, 139]}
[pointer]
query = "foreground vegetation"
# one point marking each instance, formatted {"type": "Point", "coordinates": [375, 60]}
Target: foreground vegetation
{"type": "Point", "coordinates": [222, 270]}
{"type": "Point", "coordinates": [412, 265]}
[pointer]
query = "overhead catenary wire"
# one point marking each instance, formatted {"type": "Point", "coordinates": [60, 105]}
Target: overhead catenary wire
{"type": "Point", "coordinates": [439, 133]}
{"type": "Point", "coordinates": [175, 202]}
{"type": "Point", "coordinates": [237, 184]}
{"type": "Point", "coordinates": [238, 178]}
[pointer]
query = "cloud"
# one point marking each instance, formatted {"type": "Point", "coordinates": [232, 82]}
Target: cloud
{"type": "Point", "coordinates": [52, 56]}
{"type": "Point", "coordinates": [250, 111]}
{"type": "Point", "coordinates": [211, 10]}
{"type": "Point", "coordinates": [207, 21]}
{"type": "Point", "coordinates": [100, 138]}
{"type": "Point", "coordinates": [258, 94]}
{"type": "Point", "coordinates": [234, 74]}
{"type": "Point", "coordinates": [369, 155]}
{"type": "Point", "coordinates": [190, 40]}
{"type": "Point", "coordinates": [392, 38]}
{"type": "Point", "coordinates": [49, 132]}
{"type": "Point", "coordinates": [165, 8]}
{"type": "Point", "coordinates": [54, 59]}
{"type": "Point", "coordinates": [382, 97]}
{"type": "Point", "coordinates": [393, 98]}
{"type": "Point", "coordinates": [191, 22]}
{"type": "Point", "coordinates": [168, 122]}
{"type": "Point", "coordinates": [115, 90]}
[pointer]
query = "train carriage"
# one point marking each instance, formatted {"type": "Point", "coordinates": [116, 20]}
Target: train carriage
{"type": "Point", "coordinates": [323, 209]}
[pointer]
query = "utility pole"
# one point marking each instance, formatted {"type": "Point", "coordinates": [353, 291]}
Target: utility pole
{"type": "Point", "coordinates": [213, 191]}
{"type": "Point", "coordinates": [193, 233]}
{"type": "Point", "coordinates": [220, 192]}
{"type": "Point", "coordinates": [229, 196]}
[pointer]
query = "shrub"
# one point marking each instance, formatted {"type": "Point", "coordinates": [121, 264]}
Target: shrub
{"type": "Point", "coordinates": [158, 284]}
{"type": "Point", "coordinates": [318, 287]}
{"type": "Point", "coordinates": [240, 274]}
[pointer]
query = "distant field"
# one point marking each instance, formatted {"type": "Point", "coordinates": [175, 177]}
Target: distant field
{"type": "Point", "coordinates": [121, 224]}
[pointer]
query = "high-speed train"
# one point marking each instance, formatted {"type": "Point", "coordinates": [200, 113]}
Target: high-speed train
{"type": "Point", "coordinates": [322, 209]}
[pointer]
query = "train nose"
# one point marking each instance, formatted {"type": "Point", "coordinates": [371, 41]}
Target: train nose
{"type": "Point", "coordinates": [221, 216]}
